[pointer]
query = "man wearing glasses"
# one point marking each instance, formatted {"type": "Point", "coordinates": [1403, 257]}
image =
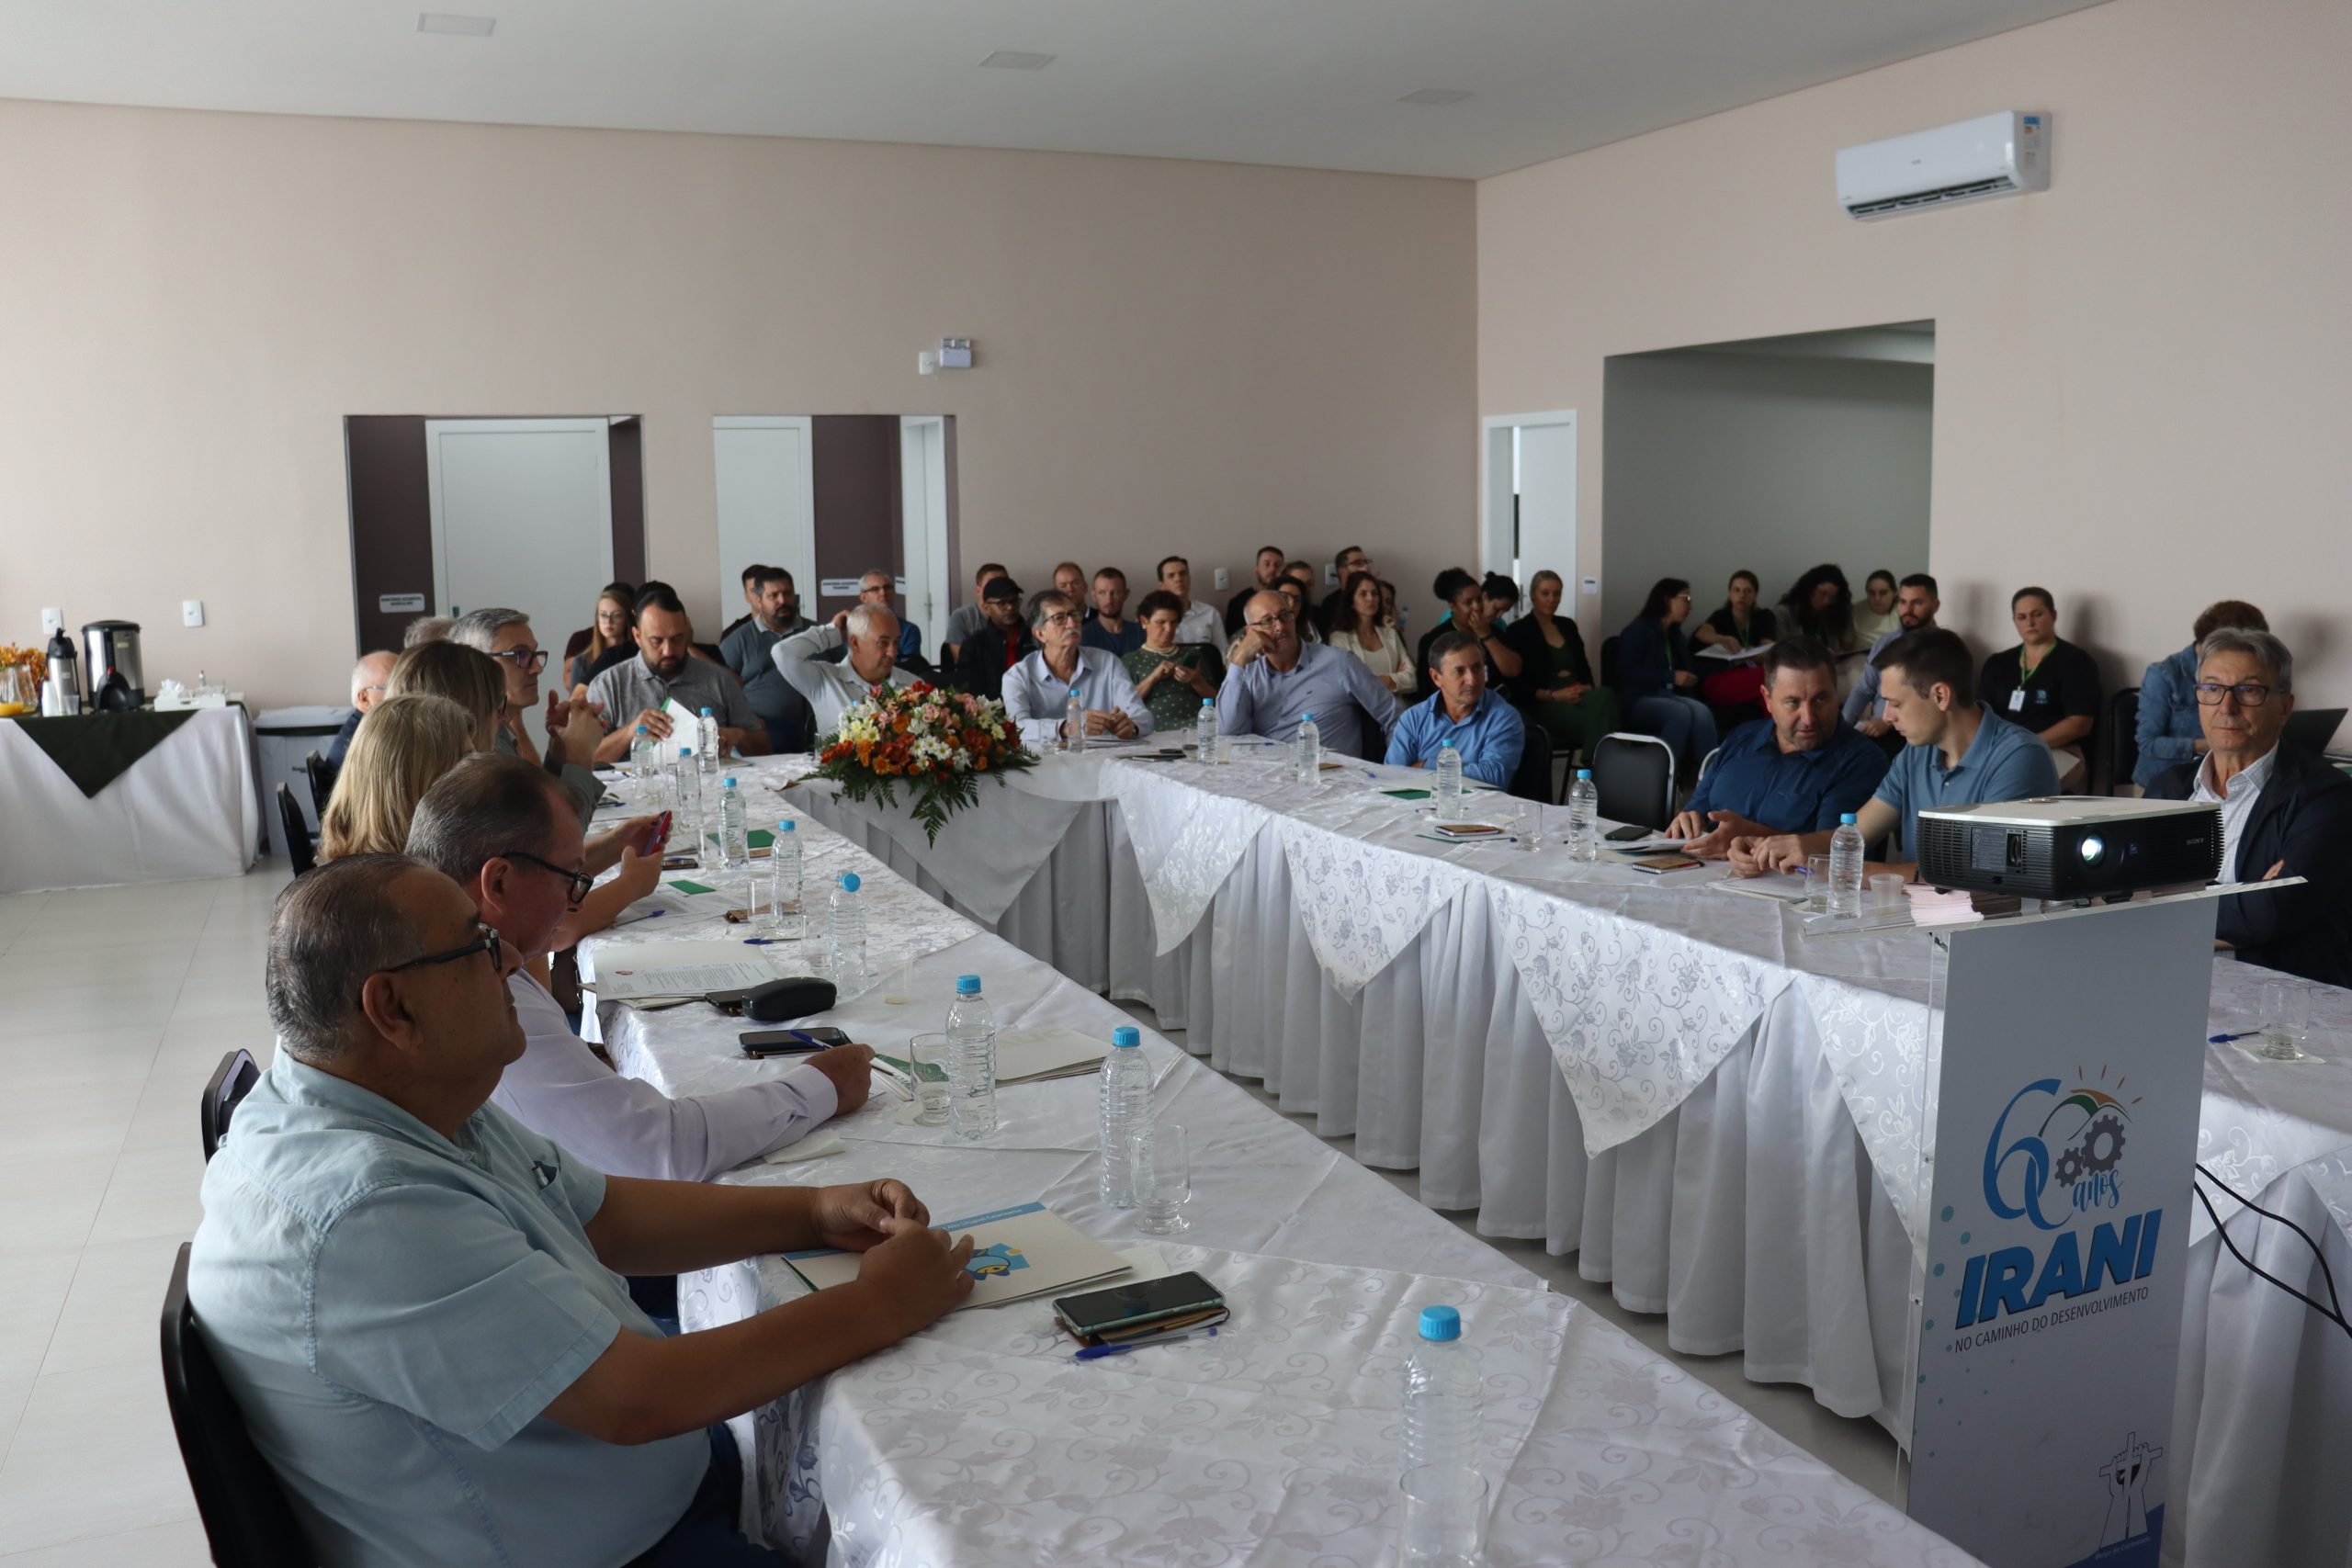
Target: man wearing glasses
{"type": "Point", "coordinates": [417, 1300]}
{"type": "Point", "coordinates": [1280, 678]}
{"type": "Point", "coordinates": [573, 730]}
{"type": "Point", "coordinates": [2284, 812]}
{"type": "Point", "coordinates": [489, 825]}
{"type": "Point", "coordinates": [1036, 690]}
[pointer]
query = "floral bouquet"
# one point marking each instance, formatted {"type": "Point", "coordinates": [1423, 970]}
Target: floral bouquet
{"type": "Point", "coordinates": [939, 742]}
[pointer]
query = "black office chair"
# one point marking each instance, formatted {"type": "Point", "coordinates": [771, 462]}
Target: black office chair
{"type": "Point", "coordinates": [239, 1497]}
{"type": "Point", "coordinates": [1633, 776]}
{"type": "Point", "coordinates": [321, 772]}
{"type": "Point", "coordinates": [298, 832]}
{"type": "Point", "coordinates": [1534, 779]}
{"type": "Point", "coordinates": [1609, 662]}
{"type": "Point", "coordinates": [231, 1081]}
{"type": "Point", "coordinates": [2122, 737]}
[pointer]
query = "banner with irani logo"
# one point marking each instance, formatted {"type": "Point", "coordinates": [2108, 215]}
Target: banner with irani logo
{"type": "Point", "coordinates": [2068, 1081]}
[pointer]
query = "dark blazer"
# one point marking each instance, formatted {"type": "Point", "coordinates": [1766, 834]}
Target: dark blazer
{"type": "Point", "coordinates": [2303, 816]}
{"type": "Point", "coordinates": [1643, 666]}
{"type": "Point", "coordinates": [1525, 637]}
{"type": "Point", "coordinates": [979, 661]}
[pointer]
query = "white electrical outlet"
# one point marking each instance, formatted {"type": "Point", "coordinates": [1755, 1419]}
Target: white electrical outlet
{"type": "Point", "coordinates": [1222, 576]}
{"type": "Point", "coordinates": [52, 621]}
{"type": "Point", "coordinates": [191, 612]}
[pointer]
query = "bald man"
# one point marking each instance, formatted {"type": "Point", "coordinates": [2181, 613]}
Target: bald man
{"type": "Point", "coordinates": [367, 678]}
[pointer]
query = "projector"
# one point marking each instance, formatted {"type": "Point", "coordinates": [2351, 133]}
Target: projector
{"type": "Point", "coordinates": [2071, 846]}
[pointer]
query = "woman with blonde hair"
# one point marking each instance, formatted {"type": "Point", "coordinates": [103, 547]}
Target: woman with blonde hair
{"type": "Point", "coordinates": [465, 676]}
{"type": "Point", "coordinates": [406, 744]}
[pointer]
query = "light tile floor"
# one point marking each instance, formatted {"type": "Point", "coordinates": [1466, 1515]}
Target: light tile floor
{"type": "Point", "coordinates": [116, 1004]}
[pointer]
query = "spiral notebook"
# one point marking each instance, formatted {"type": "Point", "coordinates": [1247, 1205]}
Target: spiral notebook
{"type": "Point", "coordinates": [1016, 1254]}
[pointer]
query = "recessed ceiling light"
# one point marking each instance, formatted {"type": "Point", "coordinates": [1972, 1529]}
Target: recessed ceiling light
{"type": "Point", "coordinates": [455, 25]}
{"type": "Point", "coordinates": [1017, 60]}
{"type": "Point", "coordinates": [1435, 95]}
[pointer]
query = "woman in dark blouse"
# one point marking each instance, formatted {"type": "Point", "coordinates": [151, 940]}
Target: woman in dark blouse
{"type": "Point", "coordinates": [1655, 679]}
{"type": "Point", "coordinates": [1739, 624]}
{"type": "Point", "coordinates": [1555, 684]}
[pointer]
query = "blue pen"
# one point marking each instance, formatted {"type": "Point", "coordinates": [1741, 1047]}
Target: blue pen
{"type": "Point", "coordinates": [807, 1039]}
{"type": "Point", "coordinates": [763, 940]}
{"type": "Point", "coordinates": [649, 915]}
{"type": "Point", "coordinates": [1096, 1352]}
{"type": "Point", "coordinates": [2225, 1039]}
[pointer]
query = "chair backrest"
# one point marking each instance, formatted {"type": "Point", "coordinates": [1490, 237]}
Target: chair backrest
{"type": "Point", "coordinates": [1609, 661]}
{"type": "Point", "coordinates": [1534, 779]}
{"type": "Point", "coordinates": [231, 1081]}
{"type": "Point", "coordinates": [2309, 730]}
{"type": "Point", "coordinates": [321, 772]}
{"type": "Point", "coordinates": [2122, 737]}
{"type": "Point", "coordinates": [1633, 777]}
{"type": "Point", "coordinates": [298, 832]}
{"type": "Point", "coordinates": [1704, 763]}
{"type": "Point", "coordinates": [239, 1497]}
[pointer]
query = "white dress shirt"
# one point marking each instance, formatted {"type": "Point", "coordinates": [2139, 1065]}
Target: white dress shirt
{"type": "Point", "coordinates": [2236, 803]}
{"type": "Point", "coordinates": [1039, 700]}
{"type": "Point", "coordinates": [624, 1126]}
{"type": "Point", "coordinates": [830, 688]}
{"type": "Point", "coordinates": [1202, 624]}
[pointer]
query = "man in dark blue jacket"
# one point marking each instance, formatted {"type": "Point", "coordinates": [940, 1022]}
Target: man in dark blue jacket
{"type": "Point", "coordinates": [2284, 812]}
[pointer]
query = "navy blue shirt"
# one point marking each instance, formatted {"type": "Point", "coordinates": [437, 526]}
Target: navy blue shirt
{"type": "Point", "coordinates": [1093, 634]}
{"type": "Point", "coordinates": [1791, 791]}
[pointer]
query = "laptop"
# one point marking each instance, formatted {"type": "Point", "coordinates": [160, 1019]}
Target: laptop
{"type": "Point", "coordinates": [2310, 730]}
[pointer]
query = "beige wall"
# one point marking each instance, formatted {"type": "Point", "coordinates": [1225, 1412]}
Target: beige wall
{"type": "Point", "coordinates": [1173, 356]}
{"type": "Point", "coordinates": [2139, 374]}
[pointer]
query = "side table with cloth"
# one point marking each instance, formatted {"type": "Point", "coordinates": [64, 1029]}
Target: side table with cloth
{"type": "Point", "coordinates": [979, 1442]}
{"type": "Point", "coordinates": [113, 797]}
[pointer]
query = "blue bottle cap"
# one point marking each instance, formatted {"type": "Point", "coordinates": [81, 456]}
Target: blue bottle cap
{"type": "Point", "coordinates": [1440, 1324]}
{"type": "Point", "coordinates": [685, 750]}
{"type": "Point", "coordinates": [1845, 819]}
{"type": "Point", "coordinates": [785, 826]}
{"type": "Point", "coordinates": [1305, 717]}
{"type": "Point", "coordinates": [706, 713]}
{"type": "Point", "coordinates": [729, 782]}
{"type": "Point", "coordinates": [849, 882]}
{"type": "Point", "coordinates": [1126, 1036]}
{"type": "Point", "coordinates": [1584, 773]}
{"type": "Point", "coordinates": [968, 985]}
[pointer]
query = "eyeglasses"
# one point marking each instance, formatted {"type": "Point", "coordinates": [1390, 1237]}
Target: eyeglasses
{"type": "Point", "coordinates": [531, 659]}
{"type": "Point", "coordinates": [1268, 623]}
{"type": "Point", "coordinates": [486, 941]}
{"type": "Point", "coordinates": [1060, 618]}
{"type": "Point", "coordinates": [2250, 693]}
{"type": "Point", "coordinates": [581, 881]}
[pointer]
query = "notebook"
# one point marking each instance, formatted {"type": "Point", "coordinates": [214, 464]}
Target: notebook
{"type": "Point", "coordinates": [1016, 1254]}
{"type": "Point", "coordinates": [1034, 1056]}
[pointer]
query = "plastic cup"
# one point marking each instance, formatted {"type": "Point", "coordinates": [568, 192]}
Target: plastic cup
{"type": "Point", "coordinates": [1886, 890]}
{"type": "Point", "coordinates": [2286, 1021]}
{"type": "Point", "coordinates": [1816, 870]}
{"type": "Point", "coordinates": [928, 1054]}
{"type": "Point", "coordinates": [899, 980]}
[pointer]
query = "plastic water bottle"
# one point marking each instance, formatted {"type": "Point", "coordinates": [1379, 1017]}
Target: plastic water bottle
{"type": "Point", "coordinates": [706, 744]}
{"type": "Point", "coordinates": [845, 937]}
{"type": "Point", "coordinates": [1126, 1109]}
{"type": "Point", "coordinates": [782, 916]}
{"type": "Point", "coordinates": [1846, 868]}
{"type": "Point", "coordinates": [686, 787]}
{"type": "Point", "coordinates": [1306, 752]}
{"type": "Point", "coordinates": [1443, 1394]}
{"type": "Point", "coordinates": [971, 1061]}
{"type": "Point", "coordinates": [644, 755]}
{"type": "Point", "coordinates": [1074, 722]}
{"type": "Point", "coordinates": [1448, 783]}
{"type": "Point", "coordinates": [1204, 747]}
{"type": "Point", "coordinates": [1584, 818]}
{"type": "Point", "coordinates": [734, 840]}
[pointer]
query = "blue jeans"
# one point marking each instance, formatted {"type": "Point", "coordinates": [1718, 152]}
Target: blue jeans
{"type": "Point", "coordinates": [704, 1535]}
{"type": "Point", "coordinates": [1684, 723]}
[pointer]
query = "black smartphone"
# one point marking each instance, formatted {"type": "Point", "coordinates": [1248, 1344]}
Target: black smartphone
{"type": "Point", "coordinates": [789, 1041]}
{"type": "Point", "coordinates": [1123, 1306]}
{"type": "Point", "coordinates": [1626, 835]}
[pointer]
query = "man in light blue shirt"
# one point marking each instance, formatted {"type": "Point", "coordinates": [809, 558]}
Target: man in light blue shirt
{"type": "Point", "coordinates": [1487, 731]}
{"type": "Point", "coordinates": [414, 1299]}
{"type": "Point", "coordinates": [1916, 603]}
{"type": "Point", "coordinates": [1956, 752]}
{"type": "Point", "coordinates": [1274, 678]}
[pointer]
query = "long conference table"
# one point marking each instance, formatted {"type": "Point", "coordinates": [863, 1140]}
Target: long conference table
{"type": "Point", "coordinates": [1719, 1116]}
{"type": "Point", "coordinates": [980, 1441]}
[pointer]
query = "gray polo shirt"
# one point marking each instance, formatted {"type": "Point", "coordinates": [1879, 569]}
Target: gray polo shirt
{"type": "Point", "coordinates": [630, 688]}
{"type": "Point", "coordinates": [395, 1310]}
{"type": "Point", "coordinates": [2003, 762]}
{"type": "Point", "coordinates": [746, 650]}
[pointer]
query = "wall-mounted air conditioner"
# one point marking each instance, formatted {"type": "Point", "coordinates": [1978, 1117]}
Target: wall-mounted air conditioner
{"type": "Point", "coordinates": [1995, 155]}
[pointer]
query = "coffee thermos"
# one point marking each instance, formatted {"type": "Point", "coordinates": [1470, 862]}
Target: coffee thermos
{"type": "Point", "coordinates": [118, 684]}
{"type": "Point", "coordinates": [61, 694]}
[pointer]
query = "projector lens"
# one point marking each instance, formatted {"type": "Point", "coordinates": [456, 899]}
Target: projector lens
{"type": "Point", "coordinates": [2094, 849]}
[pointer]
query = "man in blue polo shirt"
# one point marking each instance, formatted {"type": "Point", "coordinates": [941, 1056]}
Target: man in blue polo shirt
{"type": "Point", "coordinates": [1956, 752]}
{"type": "Point", "coordinates": [1478, 724]}
{"type": "Point", "coordinates": [1793, 773]}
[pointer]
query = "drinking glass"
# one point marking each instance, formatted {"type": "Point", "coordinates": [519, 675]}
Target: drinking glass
{"type": "Point", "coordinates": [1446, 1517]}
{"type": "Point", "coordinates": [2286, 1020]}
{"type": "Point", "coordinates": [927, 1053]}
{"type": "Point", "coordinates": [1163, 1178]}
{"type": "Point", "coordinates": [1816, 871]}
{"type": "Point", "coordinates": [898, 980]}
{"type": "Point", "coordinates": [1886, 890]}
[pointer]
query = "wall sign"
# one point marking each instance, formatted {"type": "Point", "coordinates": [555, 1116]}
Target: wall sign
{"type": "Point", "coordinates": [400, 604]}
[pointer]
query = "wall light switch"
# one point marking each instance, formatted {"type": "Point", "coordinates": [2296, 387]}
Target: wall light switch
{"type": "Point", "coordinates": [52, 621]}
{"type": "Point", "coordinates": [926, 363]}
{"type": "Point", "coordinates": [191, 612]}
{"type": "Point", "coordinates": [1223, 577]}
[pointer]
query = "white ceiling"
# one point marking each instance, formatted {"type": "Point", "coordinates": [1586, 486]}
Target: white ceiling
{"type": "Point", "coordinates": [1311, 83]}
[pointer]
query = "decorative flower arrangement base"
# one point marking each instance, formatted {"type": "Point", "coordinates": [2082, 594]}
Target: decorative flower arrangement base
{"type": "Point", "coordinates": [937, 743]}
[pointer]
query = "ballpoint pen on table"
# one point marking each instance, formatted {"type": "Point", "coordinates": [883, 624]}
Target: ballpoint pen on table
{"type": "Point", "coordinates": [2225, 1039]}
{"type": "Point", "coordinates": [1096, 1352]}
{"type": "Point", "coordinates": [649, 915]}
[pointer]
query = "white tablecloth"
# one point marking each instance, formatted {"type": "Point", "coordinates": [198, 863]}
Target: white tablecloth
{"type": "Point", "coordinates": [187, 809]}
{"type": "Point", "coordinates": [980, 1442]}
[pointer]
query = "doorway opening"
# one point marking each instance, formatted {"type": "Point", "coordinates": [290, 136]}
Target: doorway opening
{"type": "Point", "coordinates": [1528, 506]}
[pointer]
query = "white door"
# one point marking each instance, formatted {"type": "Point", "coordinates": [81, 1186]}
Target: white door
{"type": "Point", "coordinates": [767, 511]}
{"type": "Point", "coordinates": [1530, 515]}
{"type": "Point", "coordinates": [922, 508]}
{"type": "Point", "coordinates": [522, 518]}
